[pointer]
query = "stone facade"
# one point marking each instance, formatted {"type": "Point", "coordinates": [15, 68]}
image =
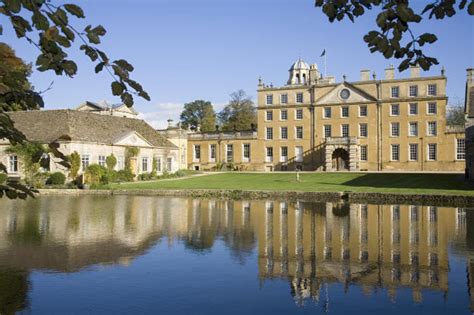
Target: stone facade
{"type": "Point", "coordinates": [316, 123]}
{"type": "Point", "coordinates": [469, 110]}
{"type": "Point", "coordinates": [94, 137]}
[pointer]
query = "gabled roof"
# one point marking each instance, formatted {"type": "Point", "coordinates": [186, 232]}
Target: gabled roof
{"type": "Point", "coordinates": [99, 107]}
{"type": "Point", "coordinates": [49, 125]}
{"type": "Point", "coordinates": [356, 95]}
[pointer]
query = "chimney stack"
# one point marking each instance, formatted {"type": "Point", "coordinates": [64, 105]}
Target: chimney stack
{"type": "Point", "coordinates": [390, 73]}
{"type": "Point", "coordinates": [470, 76]}
{"type": "Point", "coordinates": [170, 123]}
{"type": "Point", "coordinates": [414, 71]}
{"type": "Point", "coordinates": [364, 75]}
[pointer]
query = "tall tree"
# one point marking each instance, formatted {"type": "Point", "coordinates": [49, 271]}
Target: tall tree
{"type": "Point", "coordinates": [200, 113]}
{"type": "Point", "coordinates": [239, 114]}
{"type": "Point", "coordinates": [395, 36]}
{"type": "Point", "coordinates": [47, 26]}
{"type": "Point", "coordinates": [455, 115]}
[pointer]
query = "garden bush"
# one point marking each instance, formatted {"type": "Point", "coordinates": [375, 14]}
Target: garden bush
{"type": "Point", "coordinates": [56, 178]}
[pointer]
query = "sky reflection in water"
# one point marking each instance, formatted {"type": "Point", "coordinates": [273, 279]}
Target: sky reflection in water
{"type": "Point", "coordinates": [132, 254]}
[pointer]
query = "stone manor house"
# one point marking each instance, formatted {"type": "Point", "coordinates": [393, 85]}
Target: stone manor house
{"type": "Point", "coordinates": [315, 123]}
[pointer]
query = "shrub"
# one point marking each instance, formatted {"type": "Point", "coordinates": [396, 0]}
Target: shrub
{"type": "Point", "coordinates": [123, 176]}
{"type": "Point", "coordinates": [56, 178]}
{"type": "Point", "coordinates": [3, 178]}
{"type": "Point", "coordinates": [111, 161]}
{"type": "Point", "coordinates": [75, 161]}
{"type": "Point", "coordinates": [95, 174]}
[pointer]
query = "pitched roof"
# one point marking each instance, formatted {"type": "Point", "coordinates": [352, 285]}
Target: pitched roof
{"type": "Point", "coordinates": [49, 125]}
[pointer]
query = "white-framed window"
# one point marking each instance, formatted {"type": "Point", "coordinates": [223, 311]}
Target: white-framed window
{"type": "Point", "coordinates": [432, 128]}
{"type": "Point", "coordinates": [102, 160]}
{"type": "Point", "coordinates": [299, 132]}
{"type": "Point", "coordinates": [299, 154]}
{"type": "Point", "coordinates": [395, 92]}
{"type": "Point", "coordinates": [413, 129]}
{"type": "Point", "coordinates": [432, 153]}
{"type": "Point", "coordinates": [284, 114]}
{"type": "Point", "coordinates": [269, 115]}
{"type": "Point", "coordinates": [269, 99]}
{"type": "Point", "coordinates": [212, 152]}
{"type": "Point", "coordinates": [327, 112]}
{"type": "Point", "coordinates": [345, 130]}
{"type": "Point", "coordinates": [299, 98]}
{"type": "Point", "coordinates": [197, 152]}
{"type": "Point", "coordinates": [269, 133]}
{"type": "Point", "coordinates": [268, 154]}
{"type": "Point", "coordinates": [413, 90]}
{"type": "Point", "coordinates": [413, 152]}
{"type": "Point", "coordinates": [363, 153]}
{"type": "Point", "coordinates": [460, 149]}
{"type": "Point", "coordinates": [432, 108]}
{"type": "Point", "coordinates": [120, 162]}
{"type": "Point", "coordinates": [246, 151]}
{"type": "Point", "coordinates": [229, 153]}
{"type": "Point", "coordinates": [85, 161]}
{"type": "Point", "coordinates": [394, 109]}
{"type": "Point", "coordinates": [363, 110]}
{"type": "Point", "coordinates": [284, 99]}
{"type": "Point", "coordinates": [144, 164]}
{"type": "Point", "coordinates": [395, 129]}
{"type": "Point", "coordinates": [299, 114]}
{"type": "Point", "coordinates": [395, 152]}
{"type": "Point", "coordinates": [169, 164]}
{"type": "Point", "coordinates": [12, 164]}
{"type": "Point", "coordinates": [363, 131]}
{"type": "Point", "coordinates": [158, 164]}
{"type": "Point", "coordinates": [327, 131]}
{"type": "Point", "coordinates": [344, 111]}
{"type": "Point", "coordinates": [432, 90]}
{"type": "Point", "coordinates": [284, 133]}
{"type": "Point", "coordinates": [283, 154]}
{"type": "Point", "coordinates": [413, 109]}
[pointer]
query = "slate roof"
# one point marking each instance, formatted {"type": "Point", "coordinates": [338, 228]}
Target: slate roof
{"type": "Point", "coordinates": [49, 125]}
{"type": "Point", "coordinates": [104, 107]}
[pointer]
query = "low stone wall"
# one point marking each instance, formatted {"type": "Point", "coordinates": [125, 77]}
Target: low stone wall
{"type": "Point", "coordinates": [354, 197]}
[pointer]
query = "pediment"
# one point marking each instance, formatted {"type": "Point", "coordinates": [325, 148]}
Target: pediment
{"type": "Point", "coordinates": [336, 96]}
{"type": "Point", "coordinates": [132, 138]}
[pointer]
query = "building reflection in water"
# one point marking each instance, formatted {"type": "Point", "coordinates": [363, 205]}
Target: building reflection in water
{"type": "Point", "coordinates": [311, 245]}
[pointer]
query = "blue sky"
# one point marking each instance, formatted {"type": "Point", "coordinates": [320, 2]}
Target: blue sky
{"type": "Point", "coordinates": [184, 50]}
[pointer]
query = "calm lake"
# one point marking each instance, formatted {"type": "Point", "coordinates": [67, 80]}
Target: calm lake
{"type": "Point", "coordinates": [136, 254]}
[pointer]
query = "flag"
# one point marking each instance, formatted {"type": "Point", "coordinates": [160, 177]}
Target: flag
{"type": "Point", "coordinates": [323, 53]}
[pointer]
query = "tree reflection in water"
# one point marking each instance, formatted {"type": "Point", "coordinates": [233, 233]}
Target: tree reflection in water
{"type": "Point", "coordinates": [310, 245]}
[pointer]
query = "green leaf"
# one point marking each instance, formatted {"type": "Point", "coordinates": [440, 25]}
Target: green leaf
{"type": "Point", "coordinates": [13, 5]}
{"type": "Point", "coordinates": [127, 99]}
{"type": "Point", "coordinates": [69, 67]}
{"type": "Point", "coordinates": [124, 64]}
{"type": "Point", "coordinates": [470, 8]}
{"type": "Point", "coordinates": [428, 37]}
{"type": "Point", "coordinates": [99, 67]}
{"type": "Point", "coordinates": [40, 21]}
{"type": "Point", "coordinates": [74, 10]}
{"type": "Point", "coordinates": [117, 88]}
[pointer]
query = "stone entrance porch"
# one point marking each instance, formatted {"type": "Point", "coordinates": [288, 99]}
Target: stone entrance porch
{"type": "Point", "coordinates": [342, 151]}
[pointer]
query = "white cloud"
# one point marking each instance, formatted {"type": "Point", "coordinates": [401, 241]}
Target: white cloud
{"type": "Point", "coordinates": [158, 118]}
{"type": "Point", "coordinates": [164, 111]}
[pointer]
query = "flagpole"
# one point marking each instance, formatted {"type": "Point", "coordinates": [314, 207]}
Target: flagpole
{"type": "Point", "coordinates": [325, 65]}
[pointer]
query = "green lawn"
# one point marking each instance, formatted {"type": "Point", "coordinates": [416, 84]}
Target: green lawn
{"type": "Point", "coordinates": [332, 182]}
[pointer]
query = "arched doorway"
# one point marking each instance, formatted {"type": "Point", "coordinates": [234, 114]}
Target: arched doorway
{"type": "Point", "coordinates": [340, 160]}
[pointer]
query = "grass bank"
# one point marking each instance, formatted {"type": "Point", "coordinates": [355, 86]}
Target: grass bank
{"type": "Point", "coordinates": [439, 184]}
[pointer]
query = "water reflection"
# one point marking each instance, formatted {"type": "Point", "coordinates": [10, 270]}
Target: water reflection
{"type": "Point", "coordinates": [310, 245]}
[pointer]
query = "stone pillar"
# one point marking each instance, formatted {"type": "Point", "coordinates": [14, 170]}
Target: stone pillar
{"type": "Point", "coordinates": [353, 158]}
{"type": "Point", "coordinates": [328, 156]}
